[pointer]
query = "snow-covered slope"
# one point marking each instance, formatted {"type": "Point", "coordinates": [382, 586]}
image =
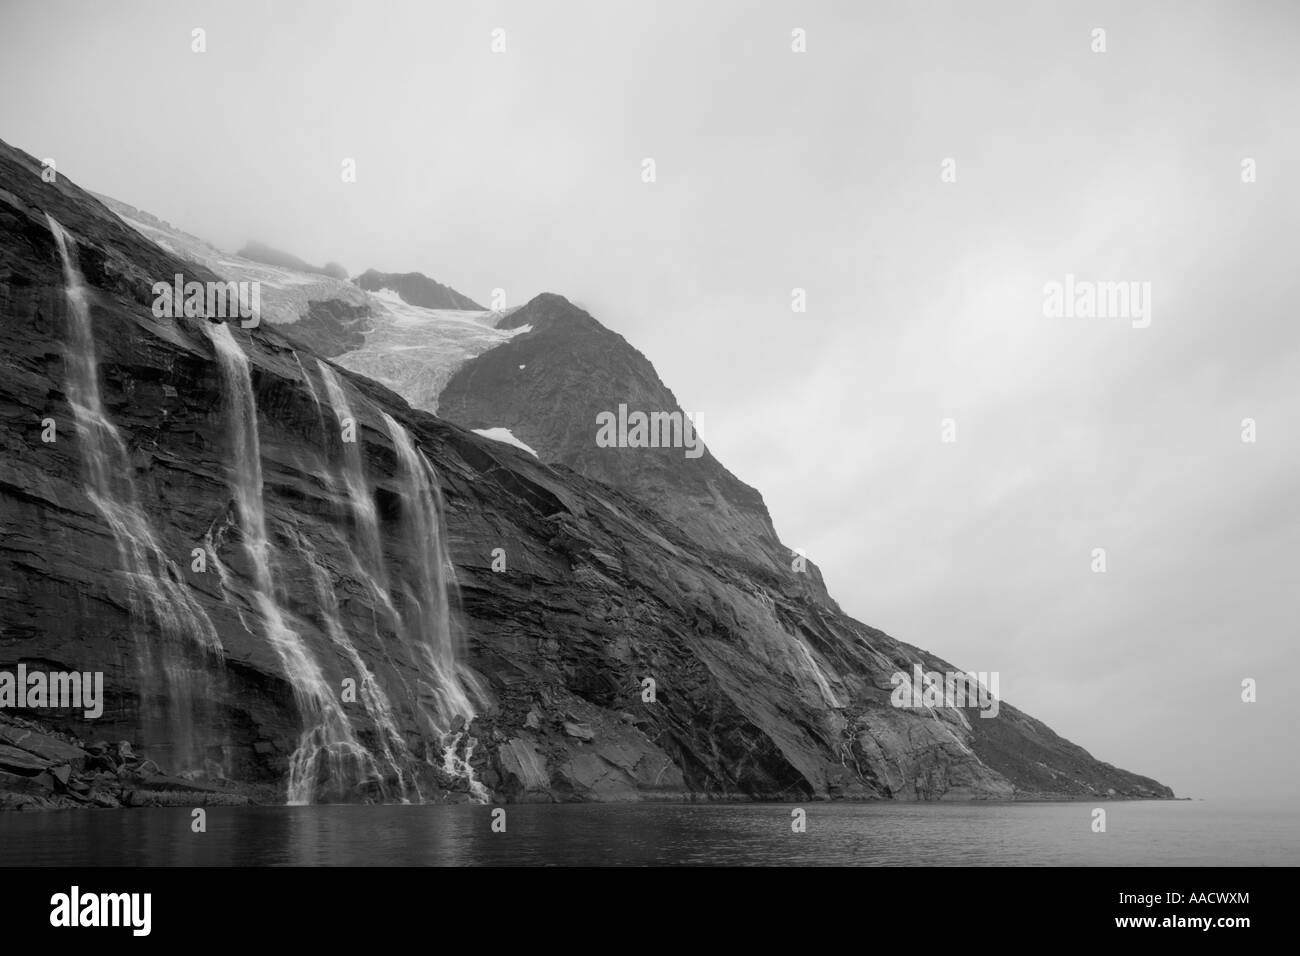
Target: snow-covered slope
{"type": "Point", "coordinates": [414, 351]}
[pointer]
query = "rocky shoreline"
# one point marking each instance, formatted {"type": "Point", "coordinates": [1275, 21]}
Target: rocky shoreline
{"type": "Point", "coordinates": [45, 769]}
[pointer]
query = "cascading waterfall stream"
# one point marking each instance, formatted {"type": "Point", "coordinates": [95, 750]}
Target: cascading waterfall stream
{"type": "Point", "coordinates": [432, 617]}
{"type": "Point", "coordinates": [358, 491]}
{"type": "Point", "coordinates": [433, 629]}
{"type": "Point", "coordinates": [425, 629]}
{"type": "Point", "coordinates": [392, 744]}
{"type": "Point", "coordinates": [311, 389]}
{"type": "Point", "coordinates": [331, 738]}
{"type": "Point", "coordinates": [188, 649]}
{"type": "Point", "coordinates": [368, 556]}
{"type": "Point", "coordinates": [330, 761]}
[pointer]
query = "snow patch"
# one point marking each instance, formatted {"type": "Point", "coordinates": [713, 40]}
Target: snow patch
{"type": "Point", "coordinates": [506, 436]}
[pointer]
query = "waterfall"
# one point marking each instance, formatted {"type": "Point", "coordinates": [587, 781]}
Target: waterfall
{"type": "Point", "coordinates": [392, 744]}
{"type": "Point", "coordinates": [422, 501]}
{"type": "Point", "coordinates": [311, 389]}
{"type": "Point", "coordinates": [330, 761]}
{"type": "Point", "coordinates": [425, 627]}
{"type": "Point", "coordinates": [358, 491]}
{"type": "Point", "coordinates": [329, 735]}
{"type": "Point", "coordinates": [813, 669]}
{"type": "Point", "coordinates": [368, 555]}
{"type": "Point", "coordinates": [432, 569]}
{"type": "Point", "coordinates": [187, 649]}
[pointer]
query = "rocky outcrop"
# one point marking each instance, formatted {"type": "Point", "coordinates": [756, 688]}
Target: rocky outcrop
{"type": "Point", "coordinates": [42, 769]}
{"type": "Point", "coordinates": [415, 288]}
{"type": "Point", "coordinates": [612, 654]}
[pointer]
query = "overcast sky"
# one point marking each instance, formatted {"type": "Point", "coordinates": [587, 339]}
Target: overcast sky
{"type": "Point", "coordinates": [822, 170]}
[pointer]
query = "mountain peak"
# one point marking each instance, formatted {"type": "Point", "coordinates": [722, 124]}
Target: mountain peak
{"type": "Point", "coordinates": [550, 386]}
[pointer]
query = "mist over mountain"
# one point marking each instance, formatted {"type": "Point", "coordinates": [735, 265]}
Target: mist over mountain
{"type": "Point", "coordinates": [261, 252]}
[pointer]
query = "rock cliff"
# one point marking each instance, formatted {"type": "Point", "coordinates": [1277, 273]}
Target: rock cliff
{"type": "Point", "coordinates": [552, 383]}
{"type": "Point", "coordinates": [607, 645]}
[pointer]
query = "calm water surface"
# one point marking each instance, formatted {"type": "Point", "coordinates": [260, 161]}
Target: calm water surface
{"type": "Point", "coordinates": [1174, 833]}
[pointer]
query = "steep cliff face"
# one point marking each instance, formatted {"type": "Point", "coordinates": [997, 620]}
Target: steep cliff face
{"type": "Point", "coordinates": [573, 594]}
{"type": "Point", "coordinates": [566, 372]}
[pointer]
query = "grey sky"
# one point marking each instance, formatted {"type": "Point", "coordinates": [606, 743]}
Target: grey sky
{"type": "Point", "coordinates": [821, 170]}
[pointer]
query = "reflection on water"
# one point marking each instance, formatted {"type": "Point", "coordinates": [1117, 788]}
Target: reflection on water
{"type": "Point", "coordinates": [1201, 833]}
